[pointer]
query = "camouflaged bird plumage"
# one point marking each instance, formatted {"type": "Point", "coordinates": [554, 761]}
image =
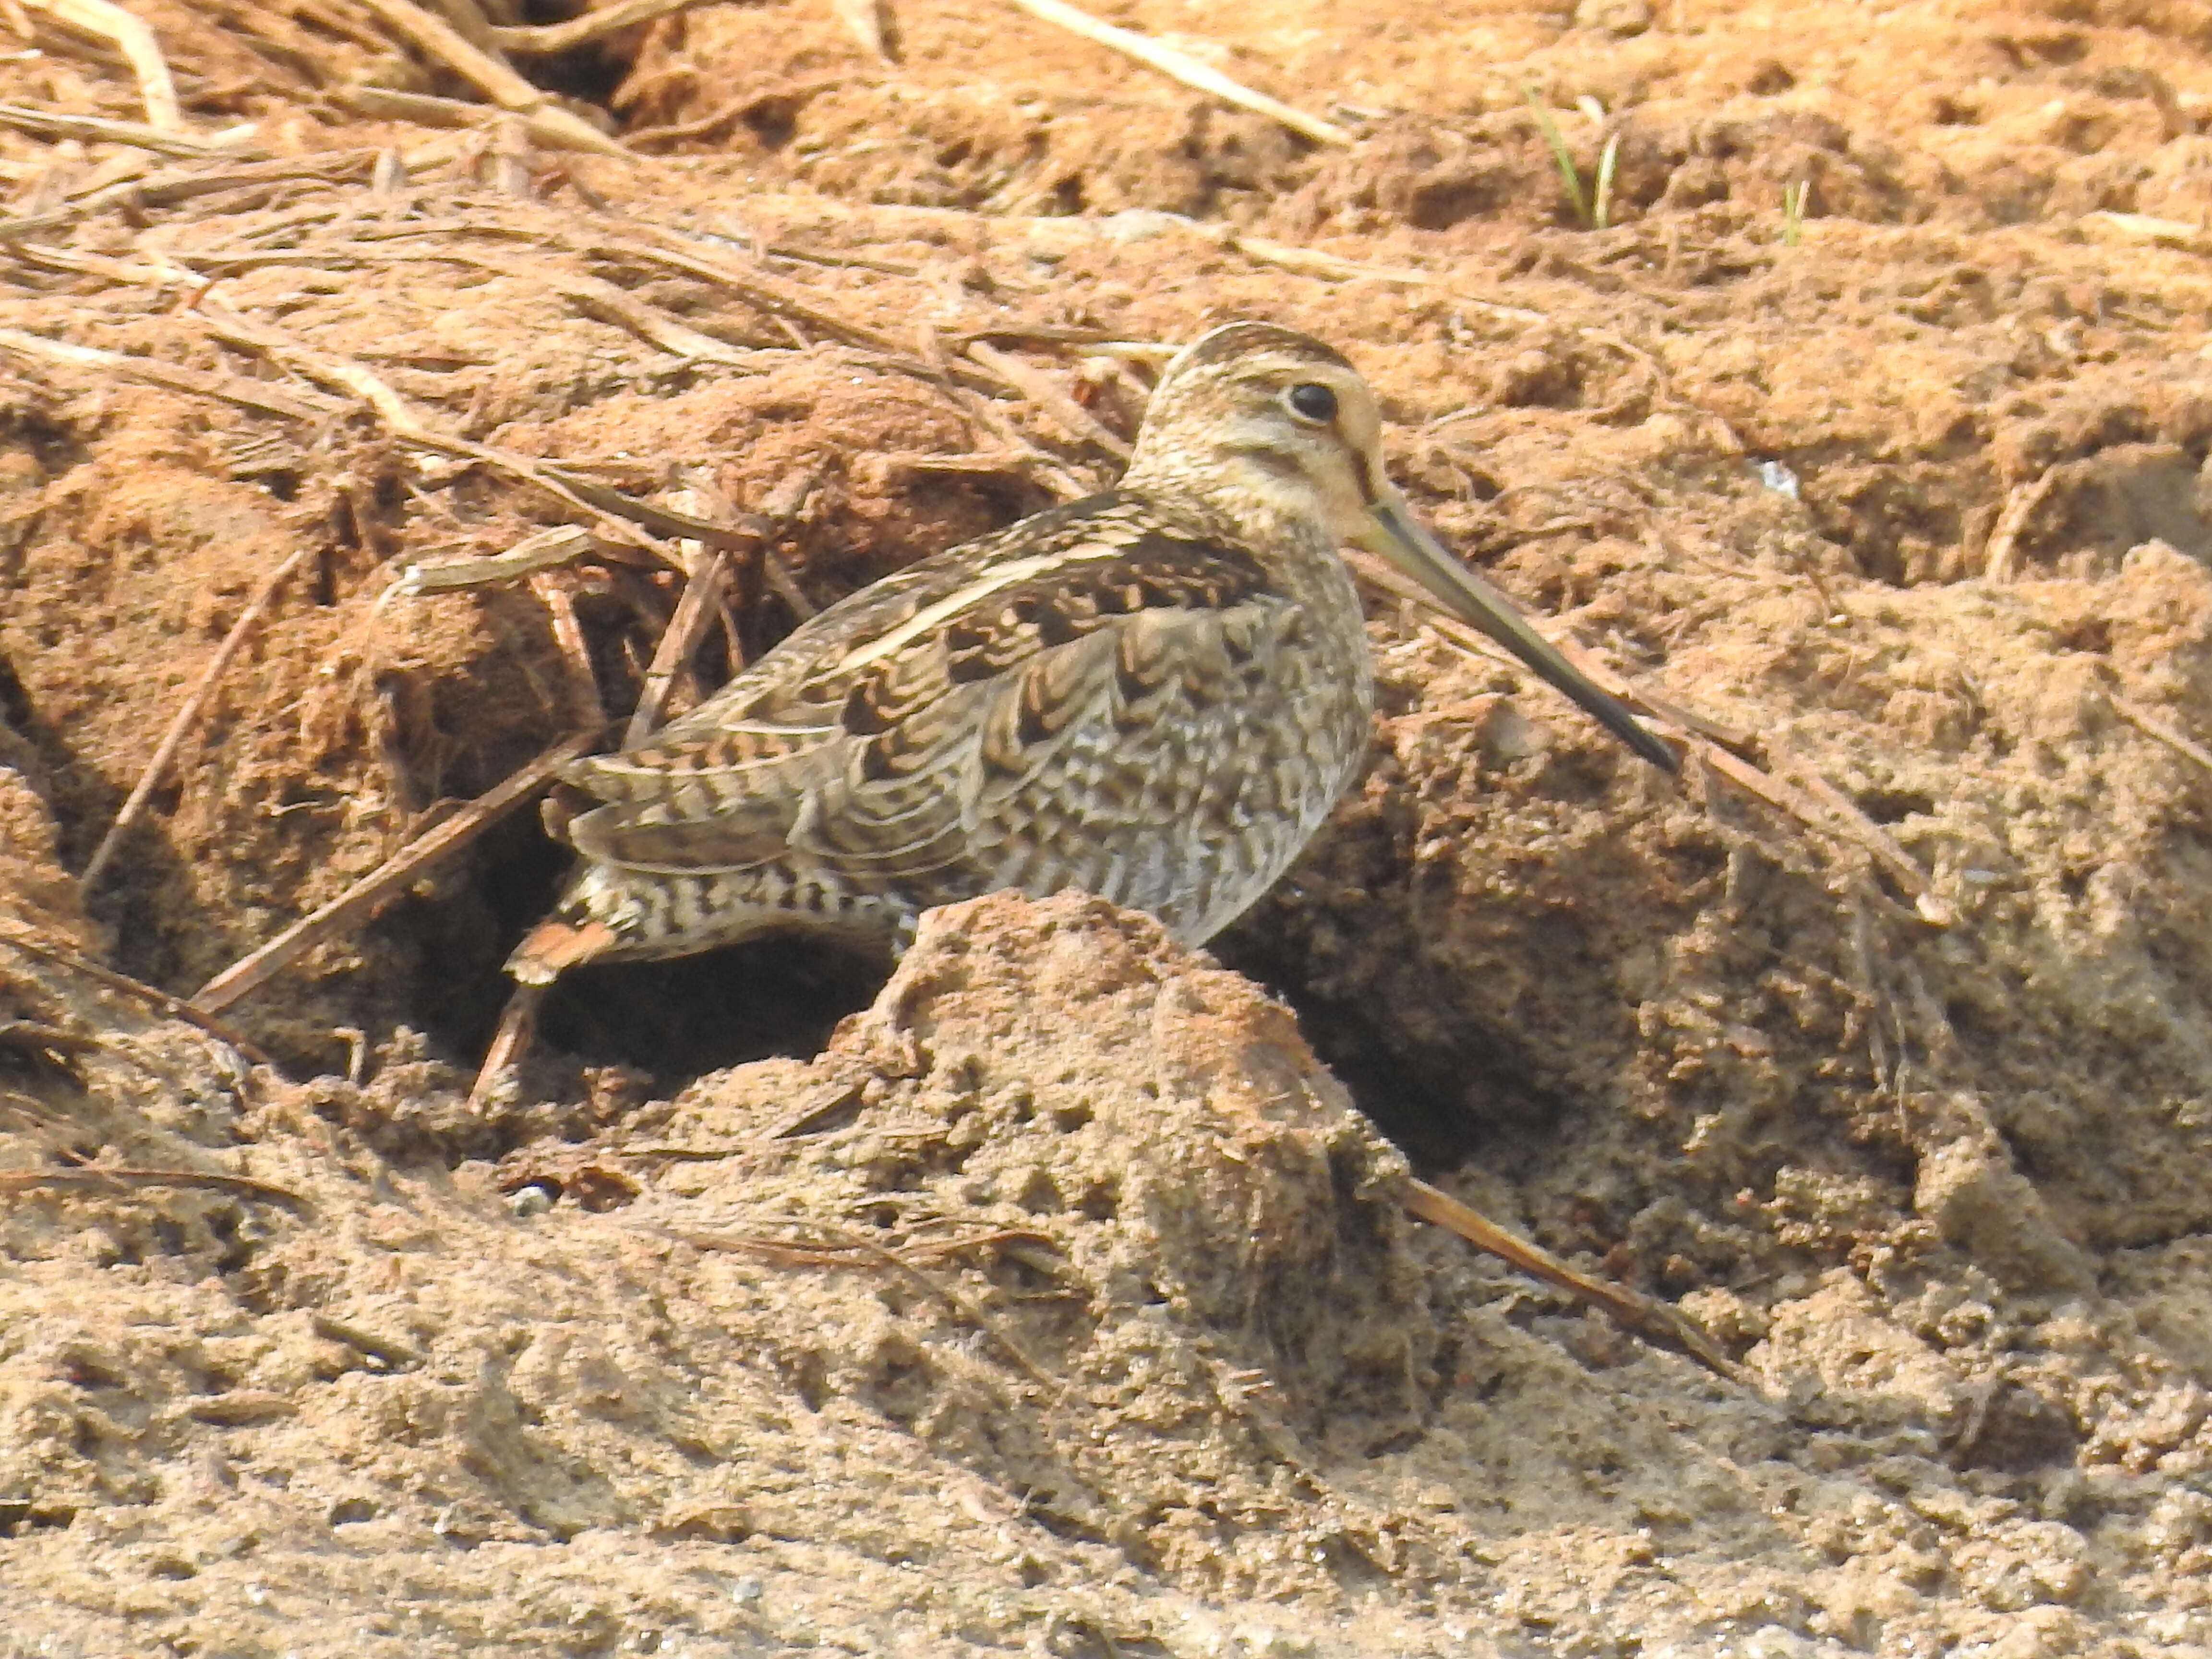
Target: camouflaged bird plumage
{"type": "Point", "coordinates": [1155, 695]}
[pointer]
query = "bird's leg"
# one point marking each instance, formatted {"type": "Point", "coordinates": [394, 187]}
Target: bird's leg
{"type": "Point", "coordinates": [517, 1024]}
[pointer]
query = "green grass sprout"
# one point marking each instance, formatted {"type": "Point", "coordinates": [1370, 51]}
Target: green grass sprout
{"type": "Point", "coordinates": [1562, 156]}
{"type": "Point", "coordinates": [1793, 211]}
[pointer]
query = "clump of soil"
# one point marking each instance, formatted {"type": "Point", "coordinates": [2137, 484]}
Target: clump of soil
{"type": "Point", "coordinates": [1059, 1301]}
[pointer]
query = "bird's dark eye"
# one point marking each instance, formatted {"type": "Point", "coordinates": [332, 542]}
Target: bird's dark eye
{"type": "Point", "coordinates": [1313, 402]}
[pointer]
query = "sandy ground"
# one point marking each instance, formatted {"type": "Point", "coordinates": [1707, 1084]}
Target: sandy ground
{"type": "Point", "coordinates": [1055, 1298]}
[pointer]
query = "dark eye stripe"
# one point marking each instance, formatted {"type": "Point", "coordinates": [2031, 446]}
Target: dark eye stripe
{"type": "Point", "coordinates": [1311, 401]}
{"type": "Point", "coordinates": [1278, 462]}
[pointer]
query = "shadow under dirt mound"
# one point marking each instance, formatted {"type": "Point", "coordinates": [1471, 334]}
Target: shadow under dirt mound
{"type": "Point", "coordinates": [678, 1020]}
{"type": "Point", "coordinates": [674, 1021]}
{"type": "Point", "coordinates": [1414, 1093]}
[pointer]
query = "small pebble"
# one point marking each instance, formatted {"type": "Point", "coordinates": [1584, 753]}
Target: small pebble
{"type": "Point", "coordinates": [527, 1201]}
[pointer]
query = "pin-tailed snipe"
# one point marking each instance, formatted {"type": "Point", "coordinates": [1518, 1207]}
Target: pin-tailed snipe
{"type": "Point", "coordinates": [1155, 695]}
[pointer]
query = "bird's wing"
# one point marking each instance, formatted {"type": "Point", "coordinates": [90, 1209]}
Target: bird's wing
{"type": "Point", "coordinates": [861, 743]}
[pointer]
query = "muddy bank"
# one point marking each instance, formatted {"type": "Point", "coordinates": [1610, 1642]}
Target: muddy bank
{"type": "Point", "coordinates": [1051, 1297]}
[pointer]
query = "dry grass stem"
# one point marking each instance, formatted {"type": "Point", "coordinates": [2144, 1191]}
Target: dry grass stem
{"type": "Point", "coordinates": [1690, 720]}
{"type": "Point", "coordinates": [756, 288]}
{"type": "Point", "coordinates": [1816, 810]}
{"type": "Point", "coordinates": [549, 549]}
{"type": "Point", "coordinates": [257, 970]}
{"type": "Point", "coordinates": [836, 1254]}
{"type": "Point", "coordinates": [697, 126]}
{"type": "Point", "coordinates": [1655, 1322]}
{"type": "Point", "coordinates": [1877, 841]}
{"type": "Point", "coordinates": [695, 611]}
{"type": "Point", "coordinates": [780, 1251]}
{"type": "Point", "coordinates": [590, 707]}
{"type": "Point", "coordinates": [505, 163]}
{"type": "Point", "coordinates": [2140, 228]}
{"type": "Point", "coordinates": [172, 185]}
{"type": "Point", "coordinates": [123, 272]}
{"type": "Point", "coordinates": [99, 130]}
{"type": "Point", "coordinates": [1042, 390]}
{"type": "Point", "coordinates": [590, 498]}
{"type": "Point", "coordinates": [553, 127]}
{"type": "Point", "coordinates": [94, 1178]}
{"type": "Point", "coordinates": [1041, 465]}
{"type": "Point", "coordinates": [873, 24]}
{"type": "Point", "coordinates": [345, 1332]}
{"type": "Point", "coordinates": [188, 714]}
{"type": "Point", "coordinates": [814, 1115]}
{"type": "Point", "coordinates": [159, 1000]}
{"type": "Point", "coordinates": [105, 20]}
{"type": "Point", "coordinates": [596, 297]}
{"type": "Point", "coordinates": [394, 411]}
{"type": "Point", "coordinates": [2000, 560]}
{"type": "Point", "coordinates": [299, 405]}
{"type": "Point", "coordinates": [440, 41]}
{"type": "Point", "coordinates": [2141, 717]}
{"type": "Point", "coordinates": [1312, 261]}
{"type": "Point", "coordinates": [962, 1307]}
{"type": "Point", "coordinates": [1819, 806]}
{"type": "Point", "coordinates": [906, 464]}
{"type": "Point", "coordinates": [1182, 66]}
{"type": "Point", "coordinates": [747, 532]}
{"type": "Point", "coordinates": [785, 585]}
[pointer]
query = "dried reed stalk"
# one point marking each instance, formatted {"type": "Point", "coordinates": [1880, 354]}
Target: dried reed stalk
{"type": "Point", "coordinates": [105, 20]}
{"type": "Point", "coordinates": [188, 714]}
{"type": "Point", "coordinates": [1655, 1322]}
{"type": "Point", "coordinates": [440, 40]}
{"type": "Point", "coordinates": [252, 971]}
{"type": "Point", "coordinates": [1182, 66]}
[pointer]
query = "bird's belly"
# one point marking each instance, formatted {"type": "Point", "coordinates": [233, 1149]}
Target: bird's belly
{"type": "Point", "coordinates": [1191, 819]}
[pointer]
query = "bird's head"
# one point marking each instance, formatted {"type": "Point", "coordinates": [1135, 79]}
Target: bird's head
{"type": "Point", "coordinates": [1263, 422]}
{"type": "Point", "coordinates": [1255, 422]}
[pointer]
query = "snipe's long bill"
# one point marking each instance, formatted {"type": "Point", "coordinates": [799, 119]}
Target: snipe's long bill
{"type": "Point", "coordinates": [1155, 695]}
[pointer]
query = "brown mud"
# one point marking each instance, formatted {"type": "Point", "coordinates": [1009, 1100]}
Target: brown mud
{"type": "Point", "coordinates": [1060, 1303]}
